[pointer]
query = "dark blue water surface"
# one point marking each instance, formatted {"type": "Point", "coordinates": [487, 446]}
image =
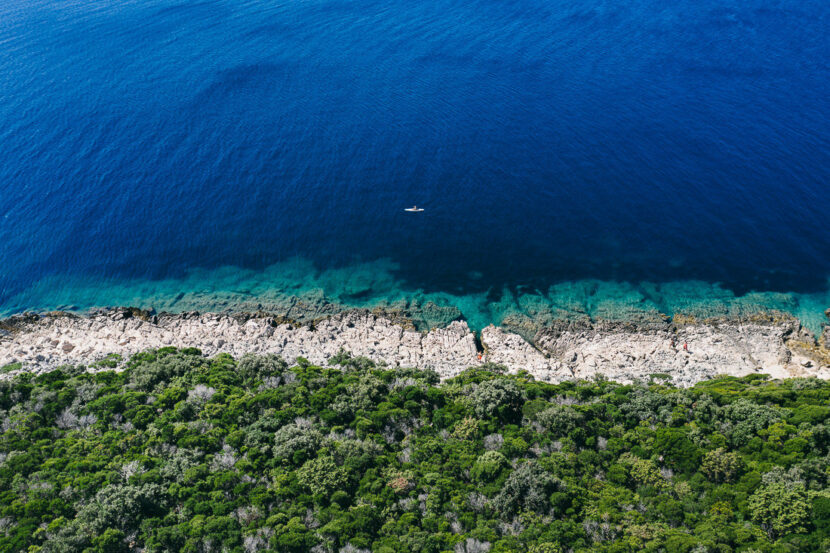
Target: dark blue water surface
{"type": "Point", "coordinates": [548, 141]}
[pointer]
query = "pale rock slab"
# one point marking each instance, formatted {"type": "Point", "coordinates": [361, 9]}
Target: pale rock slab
{"type": "Point", "coordinates": [561, 350]}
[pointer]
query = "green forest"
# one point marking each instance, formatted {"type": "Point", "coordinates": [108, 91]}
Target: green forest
{"type": "Point", "coordinates": [179, 452]}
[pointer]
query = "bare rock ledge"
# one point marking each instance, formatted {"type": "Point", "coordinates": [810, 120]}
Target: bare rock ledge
{"type": "Point", "coordinates": [772, 343]}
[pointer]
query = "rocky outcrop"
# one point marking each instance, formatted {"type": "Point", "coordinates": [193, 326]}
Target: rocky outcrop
{"type": "Point", "coordinates": [826, 332]}
{"type": "Point", "coordinates": [686, 349]}
{"type": "Point", "coordinates": [54, 339]}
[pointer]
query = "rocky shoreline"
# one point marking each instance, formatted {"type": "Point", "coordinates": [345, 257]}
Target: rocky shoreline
{"type": "Point", "coordinates": [682, 349]}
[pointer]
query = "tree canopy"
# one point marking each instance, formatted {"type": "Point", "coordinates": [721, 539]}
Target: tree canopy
{"type": "Point", "coordinates": [179, 452]}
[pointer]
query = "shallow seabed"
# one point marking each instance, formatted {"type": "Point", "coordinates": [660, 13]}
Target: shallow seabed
{"type": "Point", "coordinates": [298, 287]}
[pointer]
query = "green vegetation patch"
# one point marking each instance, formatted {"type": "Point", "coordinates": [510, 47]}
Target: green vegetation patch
{"type": "Point", "coordinates": [111, 361]}
{"type": "Point", "coordinates": [178, 452]}
{"type": "Point", "coordinates": [10, 367]}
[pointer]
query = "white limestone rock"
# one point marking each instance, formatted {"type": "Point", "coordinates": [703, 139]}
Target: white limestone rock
{"type": "Point", "coordinates": [622, 351]}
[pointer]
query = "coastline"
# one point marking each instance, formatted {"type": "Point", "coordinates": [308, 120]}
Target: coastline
{"type": "Point", "coordinates": [639, 348]}
{"type": "Point", "coordinates": [300, 290]}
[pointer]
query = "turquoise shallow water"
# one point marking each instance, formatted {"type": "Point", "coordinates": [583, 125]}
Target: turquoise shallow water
{"type": "Point", "coordinates": [368, 285]}
{"type": "Point", "coordinates": [573, 157]}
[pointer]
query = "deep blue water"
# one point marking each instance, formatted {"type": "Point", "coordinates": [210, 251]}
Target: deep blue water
{"type": "Point", "coordinates": [547, 141]}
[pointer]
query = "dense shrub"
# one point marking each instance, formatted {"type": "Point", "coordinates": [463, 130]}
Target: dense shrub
{"type": "Point", "coordinates": [183, 453]}
{"type": "Point", "coordinates": [499, 398]}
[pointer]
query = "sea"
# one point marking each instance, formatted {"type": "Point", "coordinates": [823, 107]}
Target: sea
{"type": "Point", "coordinates": [596, 156]}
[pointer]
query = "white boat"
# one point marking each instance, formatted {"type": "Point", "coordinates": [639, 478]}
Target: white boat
{"type": "Point", "coordinates": [414, 208]}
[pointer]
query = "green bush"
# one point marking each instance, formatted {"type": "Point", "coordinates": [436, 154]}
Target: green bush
{"type": "Point", "coordinates": [179, 452]}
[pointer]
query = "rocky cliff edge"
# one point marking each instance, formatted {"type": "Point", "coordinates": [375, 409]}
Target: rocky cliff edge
{"type": "Point", "coordinates": [682, 349]}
